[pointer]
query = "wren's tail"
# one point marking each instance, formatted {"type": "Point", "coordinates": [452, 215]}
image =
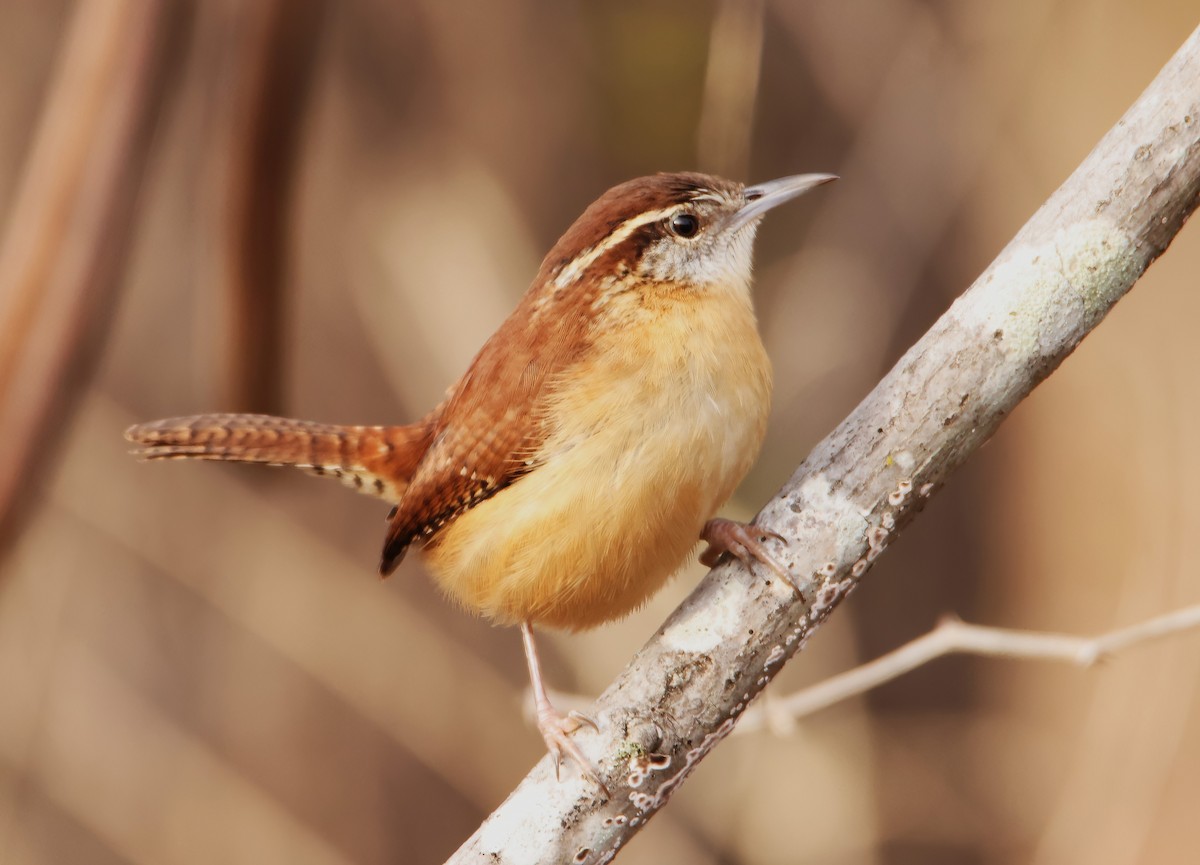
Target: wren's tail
{"type": "Point", "coordinates": [377, 460]}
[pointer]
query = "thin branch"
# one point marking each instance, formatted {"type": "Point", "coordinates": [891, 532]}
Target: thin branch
{"type": "Point", "coordinates": [683, 693]}
{"type": "Point", "coordinates": [953, 636]}
{"type": "Point", "coordinates": [69, 229]}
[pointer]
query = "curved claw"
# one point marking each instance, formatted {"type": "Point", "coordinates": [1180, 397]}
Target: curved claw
{"type": "Point", "coordinates": [582, 720]}
{"type": "Point", "coordinates": [556, 732]}
{"type": "Point", "coordinates": [742, 541]}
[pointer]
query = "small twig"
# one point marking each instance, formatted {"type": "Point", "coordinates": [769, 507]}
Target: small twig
{"type": "Point", "coordinates": [953, 636]}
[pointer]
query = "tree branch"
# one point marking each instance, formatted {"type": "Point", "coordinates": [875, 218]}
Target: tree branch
{"type": "Point", "coordinates": [954, 636]}
{"type": "Point", "coordinates": [1050, 286]}
{"type": "Point", "coordinates": [951, 636]}
{"type": "Point", "coordinates": [65, 242]}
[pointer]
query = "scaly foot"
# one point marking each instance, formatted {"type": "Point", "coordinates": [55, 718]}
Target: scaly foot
{"type": "Point", "coordinates": [556, 728]}
{"type": "Point", "coordinates": [743, 541]}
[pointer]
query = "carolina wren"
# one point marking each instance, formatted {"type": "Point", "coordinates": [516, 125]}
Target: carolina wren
{"type": "Point", "coordinates": [573, 467]}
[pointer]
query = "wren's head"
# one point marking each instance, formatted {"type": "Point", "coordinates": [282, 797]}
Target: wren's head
{"type": "Point", "coordinates": [685, 228]}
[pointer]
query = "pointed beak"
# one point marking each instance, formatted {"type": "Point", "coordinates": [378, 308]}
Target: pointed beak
{"type": "Point", "coordinates": [763, 196]}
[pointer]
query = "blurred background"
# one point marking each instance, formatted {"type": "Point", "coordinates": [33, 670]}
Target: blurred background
{"type": "Point", "coordinates": [323, 209]}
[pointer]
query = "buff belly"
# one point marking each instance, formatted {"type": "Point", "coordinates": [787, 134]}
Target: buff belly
{"type": "Point", "coordinates": [641, 454]}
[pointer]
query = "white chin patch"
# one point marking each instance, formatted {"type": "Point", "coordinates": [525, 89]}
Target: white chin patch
{"type": "Point", "coordinates": [708, 264]}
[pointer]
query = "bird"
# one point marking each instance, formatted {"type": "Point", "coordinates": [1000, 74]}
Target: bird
{"type": "Point", "coordinates": [577, 463]}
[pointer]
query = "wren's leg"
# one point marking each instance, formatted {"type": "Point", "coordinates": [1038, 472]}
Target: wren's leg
{"type": "Point", "coordinates": [743, 541]}
{"type": "Point", "coordinates": [556, 728]}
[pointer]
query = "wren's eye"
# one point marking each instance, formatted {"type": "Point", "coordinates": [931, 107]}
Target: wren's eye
{"type": "Point", "coordinates": [683, 225]}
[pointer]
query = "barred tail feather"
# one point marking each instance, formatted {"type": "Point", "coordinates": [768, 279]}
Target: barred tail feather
{"type": "Point", "coordinates": [376, 460]}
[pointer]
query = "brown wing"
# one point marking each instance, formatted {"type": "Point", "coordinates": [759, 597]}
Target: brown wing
{"type": "Point", "coordinates": [492, 424]}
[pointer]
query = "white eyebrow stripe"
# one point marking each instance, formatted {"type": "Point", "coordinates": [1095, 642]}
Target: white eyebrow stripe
{"type": "Point", "coordinates": [576, 266]}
